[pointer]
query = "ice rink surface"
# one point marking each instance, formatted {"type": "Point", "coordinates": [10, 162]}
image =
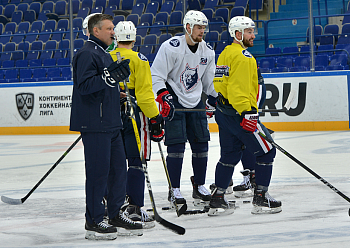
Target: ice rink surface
{"type": "Point", "coordinates": [53, 216]}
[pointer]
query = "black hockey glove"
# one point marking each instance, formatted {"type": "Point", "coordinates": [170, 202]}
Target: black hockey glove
{"type": "Point", "coordinates": [156, 128]}
{"type": "Point", "coordinates": [116, 72]}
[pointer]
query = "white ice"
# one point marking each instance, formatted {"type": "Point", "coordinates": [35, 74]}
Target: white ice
{"type": "Point", "coordinates": [53, 216]}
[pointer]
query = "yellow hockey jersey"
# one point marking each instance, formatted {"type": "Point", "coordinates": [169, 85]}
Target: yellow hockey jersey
{"type": "Point", "coordinates": [236, 77]}
{"type": "Point", "coordinates": [140, 80]}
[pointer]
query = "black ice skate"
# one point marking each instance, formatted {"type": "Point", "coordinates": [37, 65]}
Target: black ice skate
{"type": "Point", "coordinates": [125, 225]}
{"type": "Point", "coordinates": [136, 214]}
{"type": "Point", "coordinates": [263, 203]}
{"type": "Point", "coordinates": [100, 231]}
{"type": "Point", "coordinates": [246, 188]}
{"type": "Point", "coordinates": [219, 205]}
{"type": "Point", "coordinates": [228, 191]}
{"type": "Point", "coordinates": [200, 195]}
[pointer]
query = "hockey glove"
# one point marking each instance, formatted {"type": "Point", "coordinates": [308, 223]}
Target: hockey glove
{"type": "Point", "coordinates": [166, 102]}
{"type": "Point", "coordinates": [250, 120]}
{"type": "Point", "coordinates": [210, 104]}
{"type": "Point", "coordinates": [116, 72]}
{"type": "Point", "coordinates": [156, 128]}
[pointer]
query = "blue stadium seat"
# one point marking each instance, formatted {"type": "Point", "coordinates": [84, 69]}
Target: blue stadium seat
{"type": "Point", "coordinates": [114, 2]}
{"type": "Point", "coordinates": [138, 9]}
{"type": "Point", "coordinates": [77, 23]}
{"type": "Point", "coordinates": [162, 17]}
{"type": "Point", "coordinates": [109, 10]}
{"type": "Point", "coordinates": [49, 62]}
{"type": "Point", "coordinates": [142, 29]}
{"type": "Point", "coordinates": [332, 29]}
{"type": "Point", "coordinates": [11, 26]}
{"type": "Point", "coordinates": [327, 40]}
{"type": "Point", "coordinates": [212, 38]}
{"type": "Point", "coordinates": [17, 55]}
{"type": "Point", "coordinates": [45, 35]}
{"type": "Point", "coordinates": [22, 7]}
{"type": "Point", "coordinates": [134, 18]}
{"type": "Point", "coordinates": [293, 49]}
{"type": "Point", "coordinates": [302, 61]}
{"type": "Point", "coordinates": [39, 74]}
{"type": "Point", "coordinates": [217, 24]}
{"type": "Point", "coordinates": [98, 10]}
{"type": "Point", "coordinates": [325, 47]}
{"type": "Point", "coordinates": [37, 25]}
{"type": "Point", "coordinates": [210, 4]}
{"type": "Point", "coordinates": [18, 37]}
{"type": "Point", "coordinates": [237, 11]}
{"type": "Point", "coordinates": [23, 26]}
{"type": "Point", "coordinates": [167, 7]}
{"type": "Point", "coordinates": [334, 67]}
{"type": "Point", "coordinates": [24, 46]}
{"type": "Point", "coordinates": [36, 6]}
{"type": "Point", "coordinates": [9, 9]}
{"type": "Point", "coordinates": [152, 8]}
{"type": "Point", "coordinates": [32, 55]}
{"type": "Point", "coordinates": [224, 13]}
{"type": "Point", "coordinates": [11, 76]}
{"type": "Point", "coordinates": [6, 56]}
{"type": "Point", "coordinates": [162, 38]}
{"type": "Point", "coordinates": [338, 59]}
{"type": "Point", "coordinates": [241, 3]}
{"type": "Point", "coordinates": [26, 75]}
{"type": "Point", "coordinates": [35, 62]}
{"type": "Point", "coordinates": [101, 3]}
{"type": "Point", "coordinates": [321, 60]}
{"type": "Point", "coordinates": [175, 18]}
{"type": "Point", "coordinates": [1, 27]}
{"type": "Point", "coordinates": [318, 30]}
{"type": "Point", "coordinates": [220, 46]}
{"type": "Point", "coordinates": [76, 6]}
{"type": "Point", "coordinates": [22, 63]}
{"type": "Point", "coordinates": [279, 69]}
{"type": "Point", "coordinates": [51, 45]}
{"type": "Point", "coordinates": [209, 13]}
{"type": "Point", "coordinates": [29, 16]}
{"type": "Point", "coordinates": [50, 24]}
{"type": "Point", "coordinates": [119, 18]}
{"type": "Point", "coordinates": [10, 47]}
{"type": "Point", "coordinates": [127, 5]}
{"type": "Point", "coordinates": [42, 15]}
{"type": "Point", "coordinates": [156, 28]}
{"type": "Point", "coordinates": [78, 43]}
{"type": "Point", "coordinates": [83, 12]}
{"type": "Point", "coordinates": [58, 35]}
{"type": "Point", "coordinates": [46, 54]}
{"type": "Point", "coordinates": [54, 74]}
{"type": "Point", "coordinates": [194, 5]}
{"type": "Point", "coordinates": [61, 8]}
{"type": "Point", "coordinates": [86, 4]}
{"type": "Point", "coordinates": [346, 47]}
{"type": "Point", "coordinates": [148, 44]}
{"type": "Point", "coordinates": [63, 62]}
{"type": "Point", "coordinates": [148, 17]}
{"type": "Point", "coordinates": [48, 5]}
{"type": "Point", "coordinates": [137, 43]}
{"type": "Point", "coordinates": [267, 63]}
{"type": "Point", "coordinates": [63, 23]}
{"type": "Point", "coordinates": [60, 54]}
{"type": "Point", "coordinates": [8, 64]}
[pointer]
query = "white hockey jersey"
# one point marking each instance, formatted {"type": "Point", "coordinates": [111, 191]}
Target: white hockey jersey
{"type": "Point", "coordinates": [189, 74]}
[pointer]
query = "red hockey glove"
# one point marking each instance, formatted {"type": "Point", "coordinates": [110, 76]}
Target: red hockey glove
{"type": "Point", "coordinates": [166, 102]}
{"type": "Point", "coordinates": [208, 106]}
{"type": "Point", "coordinates": [156, 128]}
{"type": "Point", "coordinates": [250, 120]}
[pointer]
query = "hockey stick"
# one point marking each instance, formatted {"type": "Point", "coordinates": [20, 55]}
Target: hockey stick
{"type": "Point", "coordinates": [286, 107]}
{"type": "Point", "coordinates": [184, 206]}
{"type": "Point", "coordinates": [22, 200]}
{"type": "Point", "coordinates": [306, 168]}
{"type": "Point", "coordinates": [173, 227]}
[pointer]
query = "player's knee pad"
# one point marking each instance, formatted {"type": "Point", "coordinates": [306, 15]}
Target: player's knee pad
{"type": "Point", "coordinates": [267, 157]}
{"type": "Point", "coordinates": [176, 151]}
{"type": "Point", "coordinates": [199, 150]}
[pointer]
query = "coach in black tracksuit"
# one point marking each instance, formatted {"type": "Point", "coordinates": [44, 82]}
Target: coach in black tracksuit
{"type": "Point", "coordinates": [96, 114]}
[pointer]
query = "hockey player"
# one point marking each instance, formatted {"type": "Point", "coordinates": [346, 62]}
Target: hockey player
{"type": "Point", "coordinates": [236, 82]}
{"type": "Point", "coordinates": [140, 87]}
{"type": "Point", "coordinates": [95, 113]}
{"type": "Point", "coordinates": [183, 68]}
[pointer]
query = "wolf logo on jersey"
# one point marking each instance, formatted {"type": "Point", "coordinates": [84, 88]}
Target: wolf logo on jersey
{"type": "Point", "coordinates": [189, 77]}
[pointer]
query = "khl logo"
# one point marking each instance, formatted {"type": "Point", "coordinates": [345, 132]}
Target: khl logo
{"type": "Point", "coordinates": [25, 104]}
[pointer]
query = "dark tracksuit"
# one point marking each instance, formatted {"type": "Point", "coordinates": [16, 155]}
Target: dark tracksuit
{"type": "Point", "coordinates": [96, 114]}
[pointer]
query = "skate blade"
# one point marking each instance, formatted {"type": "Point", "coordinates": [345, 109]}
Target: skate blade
{"type": "Point", "coordinates": [244, 194]}
{"type": "Point", "coordinates": [229, 190]}
{"type": "Point", "coordinates": [265, 210]}
{"type": "Point", "coordinates": [148, 224]}
{"type": "Point", "coordinates": [220, 211]}
{"type": "Point", "coordinates": [200, 203]}
{"type": "Point", "coordinates": [127, 232]}
{"type": "Point", "coordinates": [91, 235]}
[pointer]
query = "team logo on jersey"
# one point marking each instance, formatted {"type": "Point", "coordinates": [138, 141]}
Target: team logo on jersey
{"type": "Point", "coordinates": [222, 70]}
{"type": "Point", "coordinates": [209, 46]}
{"type": "Point", "coordinates": [174, 42]}
{"type": "Point", "coordinates": [25, 104]}
{"type": "Point", "coordinates": [204, 61]}
{"type": "Point", "coordinates": [247, 54]}
{"type": "Point", "coordinates": [189, 77]}
{"type": "Point", "coordinates": [142, 57]}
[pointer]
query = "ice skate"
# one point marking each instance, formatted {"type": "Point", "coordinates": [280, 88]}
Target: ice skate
{"type": "Point", "coordinates": [246, 188]}
{"type": "Point", "coordinates": [100, 231]}
{"type": "Point", "coordinates": [180, 201]}
{"type": "Point", "coordinates": [219, 205]}
{"type": "Point", "coordinates": [136, 214]}
{"type": "Point", "coordinates": [228, 191]}
{"type": "Point", "coordinates": [200, 195]}
{"type": "Point", "coordinates": [126, 226]}
{"type": "Point", "coordinates": [263, 203]}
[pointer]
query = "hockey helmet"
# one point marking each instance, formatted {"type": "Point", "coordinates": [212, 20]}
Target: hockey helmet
{"type": "Point", "coordinates": [240, 23]}
{"type": "Point", "coordinates": [125, 31]}
{"type": "Point", "coordinates": [86, 22]}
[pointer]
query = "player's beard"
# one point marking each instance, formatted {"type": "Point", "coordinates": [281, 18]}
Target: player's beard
{"type": "Point", "coordinates": [246, 43]}
{"type": "Point", "coordinates": [197, 39]}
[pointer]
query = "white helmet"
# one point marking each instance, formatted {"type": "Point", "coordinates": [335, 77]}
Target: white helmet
{"type": "Point", "coordinates": [125, 31]}
{"type": "Point", "coordinates": [240, 23]}
{"type": "Point", "coordinates": [86, 22]}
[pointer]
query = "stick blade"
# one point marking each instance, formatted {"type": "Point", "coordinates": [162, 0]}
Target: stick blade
{"type": "Point", "coordinates": [182, 210]}
{"type": "Point", "coordinates": [290, 99]}
{"type": "Point", "coordinates": [11, 201]}
{"type": "Point", "coordinates": [171, 226]}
